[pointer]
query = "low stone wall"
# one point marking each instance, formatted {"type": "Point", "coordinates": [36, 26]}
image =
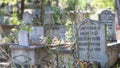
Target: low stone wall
{"type": "Point", "coordinates": [41, 54]}
{"type": "Point", "coordinates": [113, 51]}
{"type": "Point", "coordinates": [32, 55]}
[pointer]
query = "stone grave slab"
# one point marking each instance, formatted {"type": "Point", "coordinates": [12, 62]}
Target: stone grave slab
{"type": "Point", "coordinates": [92, 42]}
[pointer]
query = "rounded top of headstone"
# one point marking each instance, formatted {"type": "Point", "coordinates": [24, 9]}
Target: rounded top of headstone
{"type": "Point", "coordinates": [87, 21]}
{"type": "Point", "coordinates": [106, 12]}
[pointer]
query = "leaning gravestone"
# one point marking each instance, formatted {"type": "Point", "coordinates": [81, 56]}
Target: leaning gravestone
{"type": "Point", "coordinates": [108, 18]}
{"type": "Point", "coordinates": [91, 42]}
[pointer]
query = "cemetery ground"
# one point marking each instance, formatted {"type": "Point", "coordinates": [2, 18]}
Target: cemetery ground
{"type": "Point", "coordinates": [50, 35]}
{"type": "Point", "coordinates": [91, 50]}
{"type": "Point", "coordinates": [90, 47]}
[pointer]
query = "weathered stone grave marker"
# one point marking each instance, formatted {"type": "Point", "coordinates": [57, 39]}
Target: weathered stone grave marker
{"type": "Point", "coordinates": [92, 42]}
{"type": "Point", "coordinates": [23, 38]}
{"type": "Point", "coordinates": [27, 17]}
{"type": "Point", "coordinates": [36, 34]}
{"type": "Point", "coordinates": [108, 18]}
{"type": "Point", "coordinates": [49, 18]}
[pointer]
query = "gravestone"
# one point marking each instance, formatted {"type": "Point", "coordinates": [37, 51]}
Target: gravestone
{"type": "Point", "coordinates": [48, 20]}
{"type": "Point", "coordinates": [8, 9]}
{"type": "Point", "coordinates": [27, 17]}
{"type": "Point", "coordinates": [91, 42]}
{"type": "Point", "coordinates": [23, 38]}
{"type": "Point", "coordinates": [108, 18]}
{"type": "Point", "coordinates": [36, 34]}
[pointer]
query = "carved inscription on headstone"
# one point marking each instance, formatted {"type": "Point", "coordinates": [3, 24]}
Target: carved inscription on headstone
{"type": "Point", "coordinates": [91, 41]}
{"type": "Point", "coordinates": [108, 18]}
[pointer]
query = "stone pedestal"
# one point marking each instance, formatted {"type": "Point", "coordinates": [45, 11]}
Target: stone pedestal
{"type": "Point", "coordinates": [33, 55]}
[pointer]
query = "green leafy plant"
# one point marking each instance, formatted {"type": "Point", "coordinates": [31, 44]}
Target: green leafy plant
{"type": "Point", "coordinates": [69, 63]}
{"type": "Point", "coordinates": [103, 4]}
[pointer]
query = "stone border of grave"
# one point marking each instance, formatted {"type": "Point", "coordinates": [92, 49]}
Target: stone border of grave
{"type": "Point", "coordinates": [64, 48]}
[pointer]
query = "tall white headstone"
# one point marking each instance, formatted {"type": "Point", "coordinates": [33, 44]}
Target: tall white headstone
{"type": "Point", "coordinates": [23, 38]}
{"type": "Point", "coordinates": [92, 41]}
{"type": "Point", "coordinates": [108, 18]}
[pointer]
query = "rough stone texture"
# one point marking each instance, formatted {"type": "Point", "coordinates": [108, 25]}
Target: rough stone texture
{"type": "Point", "coordinates": [113, 55]}
{"type": "Point", "coordinates": [29, 55]}
{"type": "Point", "coordinates": [113, 51]}
{"type": "Point", "coordinates": [117, 30]}
{"type": "Point", "coordinates": [92, 41]}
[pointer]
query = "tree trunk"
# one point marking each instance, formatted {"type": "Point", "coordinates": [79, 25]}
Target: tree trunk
{"type": "Point", "coordinates": [75, 7]}
{"type": "Point", "coordinates": [117, 9]}
{"type": "Point", "coordinates": [42, 11]}
{"type": "Point", "coordinates": [57, 3]}
{"type": "Point", "coordinates": [49, 3]}
{"type": "Point", "coordinates": [22, 9]}
{"type": "Point", "coordinates": [18, 11]}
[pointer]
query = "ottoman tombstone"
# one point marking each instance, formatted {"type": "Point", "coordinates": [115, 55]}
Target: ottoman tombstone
{"type": "Point", "coordinates": [108, 18]}
{"type": "Point", "coordinates": [92, 42]}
